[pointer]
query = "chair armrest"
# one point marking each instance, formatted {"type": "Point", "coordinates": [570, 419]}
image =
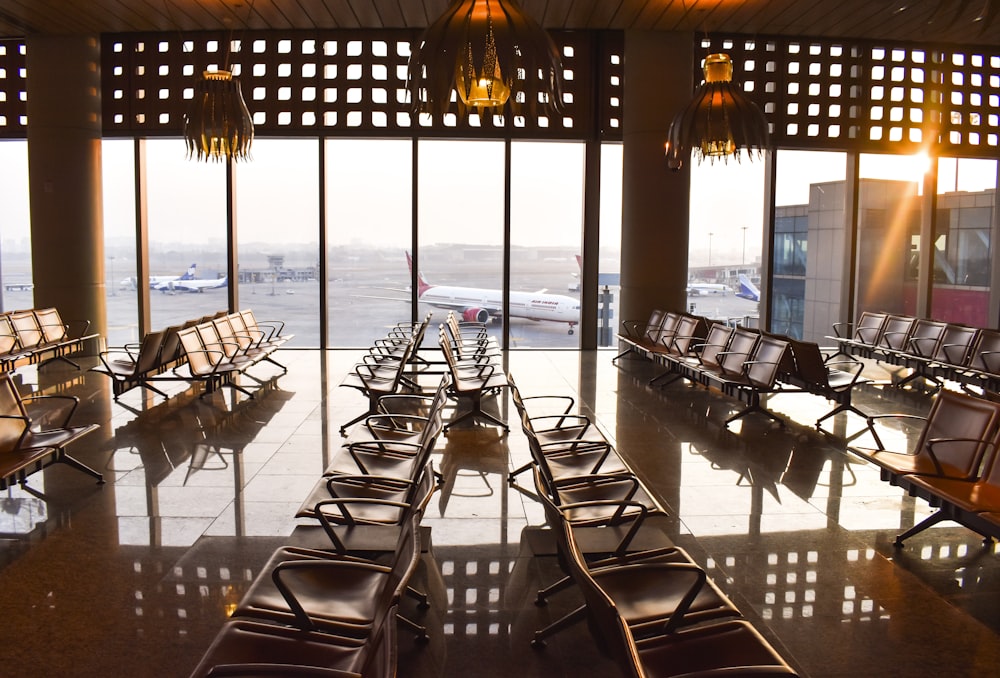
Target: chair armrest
{"type": "Point", "coordinates": [570, 401]}
{"type": "Point", "coordinates": [916, 344]}
{"type": "Point", "coordinates": [302, 619]}
{"type": "Point", "coordinates": [873, 417]}
{"type": "Point", "coordinates": [72, 409]}
{"type": "Point", "coordinates": [636, 518]}
{"type": "Point", "coordinates": [669, 570]}
{"type": "Point", "coordinates": [837, 327]}
{"type": "Point", "coordinates": [938, 442]}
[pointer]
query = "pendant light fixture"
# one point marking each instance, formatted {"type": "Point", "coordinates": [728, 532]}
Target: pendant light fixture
{"type": "Point", "coordinates": [492, 55]}
{"type": "Point", "coordinates": [721, 121]}
{"type": "Point", "coordinates": [218, 125]}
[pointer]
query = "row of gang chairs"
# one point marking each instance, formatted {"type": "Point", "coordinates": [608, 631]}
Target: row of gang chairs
{"type": "Point", "coordinates": [653, 609]}
{"type": "Point", "coordinates": [382, 370]}
{"type": "Point", "coordinates": [211, 349]}
{"type": "Point", "coordinates": [38, 336]}
{"type": "Point", "coordinates": [328, 604]}
{"type": "Point", "coordinates": [393, 364]}
{"type": "Point", "coordinates": [34, 433]}
{"type": "Point", "coordinates": [742, 363]}
{"type": "Point", "coordinates": [474, 363]}
{"type": "Point", "coordinates": [954, 464]}
{"type": "Point", "coordinates": [931, 350]}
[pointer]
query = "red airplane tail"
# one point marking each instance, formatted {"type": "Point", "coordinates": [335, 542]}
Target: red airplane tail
{"type": "Point", "coordinates": [422, 285]}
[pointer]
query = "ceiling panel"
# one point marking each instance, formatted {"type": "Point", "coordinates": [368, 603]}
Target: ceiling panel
{"type": "Point", "coordinates": [944, 20]}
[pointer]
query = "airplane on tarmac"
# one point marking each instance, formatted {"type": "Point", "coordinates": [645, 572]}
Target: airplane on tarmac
{"type": "Point", "coordinates": [480, 305]}
{"type": "Point", "coordinates": [747, 289]}
{"type": "Point", "coordinates": [155, 281]}
{"type": "Point", "coordinates": [696, 289]}
{"type": "Point", "coordinates": [189, 282]}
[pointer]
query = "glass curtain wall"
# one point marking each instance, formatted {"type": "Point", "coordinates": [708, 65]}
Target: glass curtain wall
{"type": "Point", "coordinates": [461, 227]}
{"type": "Point", "coordinates": [610, 250]}
{"type": "Point", "coordinates": [121, 283]}
{"type": "Point", "coordinates": [888, 222]}
{"type": "Point", "coordinates": [546, 227]}
{"type": "Point", "coordinates": [808, 251]}
{"type": "Point", "coordinates": [369, 234]}
{"type": "Point", "coordinates": [726, 230]}
{"type": "Point", "coordinates": [187, 235]}
{"type": "Point", "coordinates": [277, 221]}
{"type": "Point", "coordinates": [15, 227]}
{"type": "Point", "coordinates": [962, 240]}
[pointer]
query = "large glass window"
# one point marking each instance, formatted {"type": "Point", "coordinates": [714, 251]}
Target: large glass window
{"type": "Point", "coordinates": [726, 227]}
{"type": "Point", "coordinates": [187, 234]}
{"type": "Point", "coordinates": [610, 251]}
{"type": "Point", "coordinates": [277, 221]}
{"type": "Point", "coordinates": [122, 286]}
{"type": "Point", "coordinates": [962, 242]}
{"type": "Point", "coordinates": [889, 210]}
{"type": "Point", "coordinates": [546, 225]}
{"type": "Point", "coordinates": [461, 217]}
{"type": "Point", "coordinates": [15, 227]}
{"type": "Point", "coordinates": [369, 226]}
{"type": "Point", "coordinates": [808, 252]}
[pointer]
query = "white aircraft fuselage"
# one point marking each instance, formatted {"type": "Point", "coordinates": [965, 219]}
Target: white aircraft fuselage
{"type": "Point", "coordinates": [480, 304]}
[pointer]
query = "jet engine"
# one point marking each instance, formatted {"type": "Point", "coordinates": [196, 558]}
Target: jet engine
{"type": "Point", "coordinates": [476, 315]}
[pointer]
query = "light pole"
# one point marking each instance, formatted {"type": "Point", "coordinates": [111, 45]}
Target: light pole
{"type": "Point", "coordinates": [710, 234]}
{"type": "Point", "coordinates": [743, 261]}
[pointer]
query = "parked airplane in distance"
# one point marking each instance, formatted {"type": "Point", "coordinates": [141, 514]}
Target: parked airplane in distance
{"type": "Point", "coordinates": [189, 282]}
{"type": "Point", "coordinates": [480, 305]}
{"type": "Point", "coordinates": [696, 289]}
{"type": "Point", "coordinates": [747, 289]}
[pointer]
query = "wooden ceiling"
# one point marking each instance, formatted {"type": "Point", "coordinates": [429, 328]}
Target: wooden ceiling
{"type": "Point", "coordinates": [968, 22]}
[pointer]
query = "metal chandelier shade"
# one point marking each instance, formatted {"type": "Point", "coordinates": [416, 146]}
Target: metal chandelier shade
{"type": "Point", "coordinates": [218, 126]}
{"type": "Point", "coordinates": [492, 55]}
{"type": "Point", "coordinates": [720, 121]}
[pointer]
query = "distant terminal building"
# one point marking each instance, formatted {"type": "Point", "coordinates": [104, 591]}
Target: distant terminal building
{"type": "Point", "coordinates": [809, 239]}
{"type": "Point", "coordinates": [276, 271]}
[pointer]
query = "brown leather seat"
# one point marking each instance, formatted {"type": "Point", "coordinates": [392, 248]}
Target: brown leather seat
{"type": "Point", "coordinates": [973, 503]}
{"type": "Point", "coordinates": [51, 436]}
{"type": "Point", "coordinates": [830, 376]}
{"type": "Point", "coordinates": [957, 432]}
{"type": "Point", "coordinates": [569, 444]}
{"type": "Point", "coordinates": [652, 590]}
{"type": "Point", "coordinates": [249, 649]}
{"type": "Point", "coordinates": [714, 648]}
{"type": "Point", "coordinates": [330, 592]}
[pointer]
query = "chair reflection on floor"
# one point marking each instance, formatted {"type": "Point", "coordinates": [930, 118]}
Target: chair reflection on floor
{"type": "Point", "coordinates": [470, 454]}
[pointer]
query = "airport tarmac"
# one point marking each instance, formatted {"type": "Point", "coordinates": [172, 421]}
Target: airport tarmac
{"type": "Point", "coordinates": [365, 302]}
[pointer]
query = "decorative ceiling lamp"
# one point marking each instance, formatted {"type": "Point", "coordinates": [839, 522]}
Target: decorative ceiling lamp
{"type": "Point", "coordinates": [218, 125]}
{"type": "Point", "coordinates": [489, 52]}
{"type": "Point", "coordinates": [720, 121]}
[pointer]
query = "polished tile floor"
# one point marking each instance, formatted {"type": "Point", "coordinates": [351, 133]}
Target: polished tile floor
{"type": "Point", "coordinates": [132, 578]}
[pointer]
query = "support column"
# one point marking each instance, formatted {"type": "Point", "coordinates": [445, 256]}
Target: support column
{"type": "Point", "coordinates": [659, 82]}
{"type": "Point", "coordinates": [64, 174]}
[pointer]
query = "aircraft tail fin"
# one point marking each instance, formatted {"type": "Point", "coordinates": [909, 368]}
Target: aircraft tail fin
{"type": "Point", "coordinates": [422, 285]}
{"type": "Point", "coordinates": [747, 289]}
{"type": "Point", "coordinates": [190, 274]}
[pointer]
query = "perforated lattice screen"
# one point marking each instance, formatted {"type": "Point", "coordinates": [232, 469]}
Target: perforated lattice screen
{"type": "Point", "coordinates": [816, 93]}
{"type": "Point", "coordinates": [13, 89]}
{"type": "Point", "coordinates": [346, 82]}
{"type": "Point", "coordinates": [828, 94]}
